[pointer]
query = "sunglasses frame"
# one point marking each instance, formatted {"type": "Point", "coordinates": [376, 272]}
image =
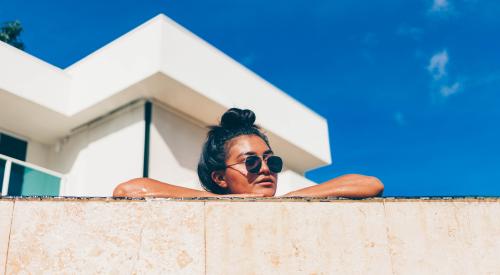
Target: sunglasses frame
{"type": "Point", "coordinates": [258, 166]}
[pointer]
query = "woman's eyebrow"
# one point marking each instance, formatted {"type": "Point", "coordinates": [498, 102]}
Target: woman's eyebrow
{"type": "Point", "coordinates": [252, 153]}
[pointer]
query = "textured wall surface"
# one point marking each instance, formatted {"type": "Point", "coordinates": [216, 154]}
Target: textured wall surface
{"type": "Point", "coordinates": [258, 236]}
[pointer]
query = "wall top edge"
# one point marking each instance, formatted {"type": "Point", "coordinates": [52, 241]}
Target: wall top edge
{"type": "Point", "coordinates": [274, 199]}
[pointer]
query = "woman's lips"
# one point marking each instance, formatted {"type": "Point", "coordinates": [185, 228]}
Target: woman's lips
{"type": "Point", "coordinates": [265, 183]}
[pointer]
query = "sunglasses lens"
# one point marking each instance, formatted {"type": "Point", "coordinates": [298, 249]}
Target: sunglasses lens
{"type": "Point", "coordinates": [253, 164]}
{"type": "Point", "coordinates": [275, 164]}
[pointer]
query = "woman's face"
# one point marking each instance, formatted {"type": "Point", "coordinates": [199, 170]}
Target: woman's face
{"type": "Point", "coordinates": [236, 177]}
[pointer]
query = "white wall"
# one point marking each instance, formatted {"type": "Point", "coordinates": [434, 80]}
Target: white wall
{"type": "Point", "coordinates": [115, 67]}
{"type": "Point", "coordinates": [102, 155]}
{"type": "Point", "coordinates": [289, 180]}
{"type": "Point", "coordinates": [25, 76]}
{"type": "Point", "coordinates": [37, 153]}
{"type": "Point", "coordinates": [175, 148]}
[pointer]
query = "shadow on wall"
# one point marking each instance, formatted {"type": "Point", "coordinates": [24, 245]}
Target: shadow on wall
{"type": "Point", "coordinates": [176, 145]}
{"type": "Point", "coordinates": [75, 145]}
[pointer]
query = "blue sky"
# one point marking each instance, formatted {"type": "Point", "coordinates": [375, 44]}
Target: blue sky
{"type": "Point", "coordinates": [410, 89]}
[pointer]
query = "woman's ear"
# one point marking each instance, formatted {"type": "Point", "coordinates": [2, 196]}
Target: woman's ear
{"type": "Point", "coordinates": [218, 177]}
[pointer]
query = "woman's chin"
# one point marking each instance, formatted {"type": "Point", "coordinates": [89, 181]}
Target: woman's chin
{"type": "Point", "coordinates": [269, 195]}
{"type": "Point", "coordinates": [267, 192]}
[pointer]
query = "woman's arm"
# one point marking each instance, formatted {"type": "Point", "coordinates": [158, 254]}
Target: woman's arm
{"type": "Point", "coordinates": [348, 186]}
{"type": "Point", "coordinates": [145, 187]}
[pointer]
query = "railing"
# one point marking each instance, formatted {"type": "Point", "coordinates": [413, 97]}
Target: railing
{"type": "Point", "coordinates": [20, 178]}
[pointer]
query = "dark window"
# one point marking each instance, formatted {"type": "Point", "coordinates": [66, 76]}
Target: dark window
{"type": "Point", "coordinates": [14, 148]}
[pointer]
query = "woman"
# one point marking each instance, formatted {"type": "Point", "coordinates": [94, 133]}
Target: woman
{"type": "Point", "coordinates": [237, 160]}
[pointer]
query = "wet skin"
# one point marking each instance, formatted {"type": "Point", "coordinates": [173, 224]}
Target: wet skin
{"type": "Point", "coordinates": [236, 179]}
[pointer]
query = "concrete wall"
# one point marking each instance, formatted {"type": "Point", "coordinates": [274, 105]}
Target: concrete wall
{"type": "Point", "coordinates": [38, 153]}
{"type": "Point", "coordinates": [26, 76]}
{"type": "Point", "coordinates": [263, 236]}
{"type": "Point", "coordinates": [289, 180]}
{"type": "Point", "coordinates": [99, 156]}
{"type": "Point", "coordinates": [175, 146]}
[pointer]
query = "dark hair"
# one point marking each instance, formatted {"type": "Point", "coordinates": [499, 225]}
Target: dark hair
{"type": "Point", "coordinates": [234, 122]}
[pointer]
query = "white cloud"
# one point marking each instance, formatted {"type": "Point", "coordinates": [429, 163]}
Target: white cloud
{"type": "Point", "coordinates": [437, 65]}
{"type": "Point", "coordinates": [446, 91]}
{"type": "Point", "coordinates": [440, 5]}
{"type": "Point", "coordinates": [437, 69]}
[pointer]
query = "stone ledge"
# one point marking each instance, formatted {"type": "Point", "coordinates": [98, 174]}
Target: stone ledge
{"type": "Point", "coordinates": [270, 199]}
{"type": "Point", "coordinates": [253, 236]}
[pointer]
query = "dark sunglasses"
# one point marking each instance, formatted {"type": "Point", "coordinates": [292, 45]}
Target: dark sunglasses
{"type": "Point", "coordinates": [254, 163]}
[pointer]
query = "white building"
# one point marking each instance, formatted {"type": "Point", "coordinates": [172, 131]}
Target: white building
{"type": "Point", "coordinates": [138, 106]}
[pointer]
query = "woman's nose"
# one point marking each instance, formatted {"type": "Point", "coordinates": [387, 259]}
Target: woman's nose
{"type": "Point", "coordinates": [264, 169]}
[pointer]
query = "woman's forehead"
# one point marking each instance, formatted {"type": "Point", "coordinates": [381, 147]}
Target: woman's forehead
{"type": "Point", "coordinates": [247, 144]}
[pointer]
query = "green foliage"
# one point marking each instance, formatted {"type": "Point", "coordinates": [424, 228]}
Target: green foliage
{"type": "Point", "coordinates": [9, 33]}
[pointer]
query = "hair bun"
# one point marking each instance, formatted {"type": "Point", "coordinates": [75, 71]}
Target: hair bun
{"type": "Point", "coordinates": [235, 118]}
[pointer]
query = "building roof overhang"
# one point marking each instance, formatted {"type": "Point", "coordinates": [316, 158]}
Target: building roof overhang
{"type": "Point", "coordinates": [160, 60]}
